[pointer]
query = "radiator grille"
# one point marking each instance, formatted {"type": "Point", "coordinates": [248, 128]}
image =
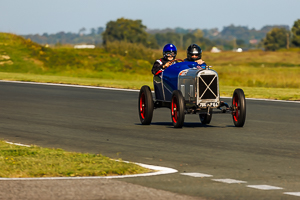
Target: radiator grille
{"type": "Point", "coordinates": [208, 86]}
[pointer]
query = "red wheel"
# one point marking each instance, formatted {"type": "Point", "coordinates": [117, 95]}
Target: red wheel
{"type": "Point", "coordinates": [174, 110]}
{"type": "Point", "coordinates": [142, 105]}
{"type": "Point", "coordinates": [145, 105]}
{"type": "Point", "coordinates": [177, 109]}
{"type": "Point", "coordinates": [239, 108]}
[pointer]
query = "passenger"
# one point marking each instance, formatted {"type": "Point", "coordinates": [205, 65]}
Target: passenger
{"type": "Point", "coordinates": [194, 54]}
{"type": "Point", "coordinates": [169, 53]}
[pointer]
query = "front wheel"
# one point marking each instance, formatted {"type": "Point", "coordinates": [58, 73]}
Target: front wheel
{"type": "Point", "coordinates": [145, 105]}
{"type": "Point", "coordinates": [177, 109]}
{"type": "Point", "coordinates": [206, 118]}
{"type": "Point", "coordinates": [239, 108]}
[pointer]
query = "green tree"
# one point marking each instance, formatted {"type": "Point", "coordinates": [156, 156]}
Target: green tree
{"type": "Point", "coordinates": [169, 37]}
{"type": "Point", "coordinates": [100, 30]}
{"type": "Point", "coordinates": [296, 33]}
{"type": "Point", "coordinates": [198, 33]}
{"type": "Point", "coordinates": [276, 39]}
{"type": "Point", "coordinates": [132, 31]}
{"type": "Point", "coordinates": [81, 31]}
{"type": "Point", "coordinates": [93, 31]}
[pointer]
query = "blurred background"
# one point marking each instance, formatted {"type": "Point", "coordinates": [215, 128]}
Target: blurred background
{"type": "Point", "coordinates": [253, 44]}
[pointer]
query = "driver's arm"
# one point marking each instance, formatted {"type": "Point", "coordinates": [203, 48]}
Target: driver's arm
{"type": "Point", "coordinates": [157, 67]}
{"type": "Point", "coordinates": [166, 65]}
{"type": "Point", "coordinates": [200, 61]}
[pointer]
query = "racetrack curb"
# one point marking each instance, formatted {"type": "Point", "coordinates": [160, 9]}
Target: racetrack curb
{"type": "Point", "coordinates": [158, 171]}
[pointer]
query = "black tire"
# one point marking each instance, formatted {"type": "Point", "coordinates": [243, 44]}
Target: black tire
{"type": "Point", "coordinates": [145, 105]}
{"type": "Point", "coordinates": [239, 108]}
{"type": "Point", "coordinates": [205, 118]}
{"type": "Point", "coordinates": [177, 109]}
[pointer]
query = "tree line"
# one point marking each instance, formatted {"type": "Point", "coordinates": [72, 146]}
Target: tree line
{"type": "Point", "coordinates": [279, 38]}
{"type": "Point", "coordinates": [94, 37]}
{"type": "Point", "coordinates": [133, 31]}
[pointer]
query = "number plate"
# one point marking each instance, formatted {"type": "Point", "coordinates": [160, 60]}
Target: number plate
{"type": "Point", "coordinates": [210, 104]}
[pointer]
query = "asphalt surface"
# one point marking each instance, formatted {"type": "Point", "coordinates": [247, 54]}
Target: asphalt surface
{"type": "Point", "coordinates": [264, 152]}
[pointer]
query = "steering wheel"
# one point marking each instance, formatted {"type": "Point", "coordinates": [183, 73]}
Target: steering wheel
{"type": "Point", "coordinates": [173, 61]}
{"type": "Point", "coordinates": [176, 60]}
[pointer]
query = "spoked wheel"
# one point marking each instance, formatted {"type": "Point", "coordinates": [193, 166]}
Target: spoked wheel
{"type": "Point", "coordinates": [177, 109]}
{"type": "Point", "coordinates": [205, 118]}
{"type": "Point", "coordinates": [239, 108]}
{"type": "Point", "coordinates": [145, 105]}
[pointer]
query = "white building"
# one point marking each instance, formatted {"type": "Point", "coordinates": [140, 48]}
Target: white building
{"type": "Point", "coordinates": [215, 50]}
{"type": "Point", "coordinates": [84, 46]}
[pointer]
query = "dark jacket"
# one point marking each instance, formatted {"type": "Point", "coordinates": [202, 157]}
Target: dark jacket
{"type": "Point", "coordinates": [186, 59]}
{"type": "Point", "coordinates": [158, 66]}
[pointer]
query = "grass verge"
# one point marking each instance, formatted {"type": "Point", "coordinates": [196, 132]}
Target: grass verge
{"type": "Point", "coordinates": [292, 94]}
{"type": "Point", "coordinates": [20, 162]}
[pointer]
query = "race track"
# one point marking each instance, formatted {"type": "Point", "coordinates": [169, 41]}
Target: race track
{"type": "Point", "coordinates": [266, 151]}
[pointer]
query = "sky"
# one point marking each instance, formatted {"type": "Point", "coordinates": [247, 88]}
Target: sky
{"type": "Point", "coordinates": [52, 16]}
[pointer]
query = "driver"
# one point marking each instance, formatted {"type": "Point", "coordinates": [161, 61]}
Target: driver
{"type": "Point", "coordinates": [169, 53]}
{"type": "Point", "coordinates": [194, 54]}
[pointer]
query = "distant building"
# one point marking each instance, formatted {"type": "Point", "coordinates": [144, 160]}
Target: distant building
{"type": "Point", "coordinates": [253, 41]}
{"type": "Point", "coordinates": [238, 50]}
{"type": "Point", "coordinates": [215, 50]}
{"type": "Point", "coordinates": [84, 46]}
{"type": "Point", "coordinates": [215, 33]}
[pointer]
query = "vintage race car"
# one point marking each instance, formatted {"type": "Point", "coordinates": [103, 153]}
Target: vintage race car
{"type": "Point", "coordinates": [188, 88]}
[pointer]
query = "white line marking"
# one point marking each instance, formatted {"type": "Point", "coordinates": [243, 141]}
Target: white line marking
{"type": "Point", "coordinates": [131, 90]}
{"type": "Point", "coordinates": [18, 144]}
{"type": "Point", "coordinates": [293, 193]}
{"type": "Point", "coordinates": [228, 180]}
{"type": "Point", "coordinates": [198, 175]}
{"type": "Point", "coordinates": [69, 85]}
{"type": "Point", "coordinates": [285, 101]}
{"type": "Point", "coordinates": [264, 187]}
{"type": "Point", "coordinates": [159, 171]}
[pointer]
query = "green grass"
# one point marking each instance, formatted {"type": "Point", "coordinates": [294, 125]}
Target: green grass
{"type": "Point", "coordinates": [29, 57]}
{"type": "Point", "coordinates": [251, 58]}
{"type": "Point", "coordinates": [254, 92]}
{"type": "Point", "coordinates": [135, 83]}
{"type": "Point", "coordinates": [263, 92]}
{"type": "Point", "coordinates": [20, 162]}
{"type": "Point", "coordinates": [252, 76]}
{"type": "Point", "coordinates": [272, 75]}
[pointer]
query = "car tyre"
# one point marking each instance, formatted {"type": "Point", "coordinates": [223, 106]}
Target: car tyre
{"type": "Point", "coordinates": [145, 105]}
{"type": "Point", "coordinates": [177, 109]}
{"type": "Point", "coordinates": [205, 118]}
{"type": "Point", "coordinates": [239, 108]}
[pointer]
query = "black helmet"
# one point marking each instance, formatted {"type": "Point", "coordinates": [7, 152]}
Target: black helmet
{"type": "Point", "coordinates": [194, 49]}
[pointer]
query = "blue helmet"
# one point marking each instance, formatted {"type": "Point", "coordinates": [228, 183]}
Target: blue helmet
{"type": "Point", "coordinates": [169, 48]}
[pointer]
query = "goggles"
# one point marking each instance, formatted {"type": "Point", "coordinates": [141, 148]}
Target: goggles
{"type": "Point", "coordinates": [168, 54]}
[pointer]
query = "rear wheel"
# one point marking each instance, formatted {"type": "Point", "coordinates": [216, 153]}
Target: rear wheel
{"type": "Point", "coordinates": [205, 118]}
{"type": "Point", "coordinates": [239, 108]}
{"type": "Point", "coordinates": [177, 109]}
{"type": "Point", "coordinates": [145, 105]}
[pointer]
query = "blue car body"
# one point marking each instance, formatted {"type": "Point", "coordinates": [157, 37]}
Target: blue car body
{"type": "Point", "coordinates": [166, 82]}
